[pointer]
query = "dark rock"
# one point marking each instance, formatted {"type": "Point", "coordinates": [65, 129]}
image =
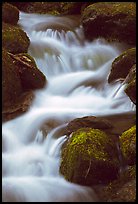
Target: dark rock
{"type": "Point", "coordinates": [14, 39]}
{"type": "Point", "coordinates": [31, 77]}
{"type": "Point", "coordinates": [121, 190]}
{"type": "Point", "coordinates": [88, 121]}
{"type": "Point", "coordinates": [10, 14]}
{"type": "Point", "coordinates": [110, 20]}
{"type": "Point", "coordinates": [11, 84]}
{"type": "Point", "coordinates": [131, 84]}
{"type": "Point", "coordinates": [122, 65]}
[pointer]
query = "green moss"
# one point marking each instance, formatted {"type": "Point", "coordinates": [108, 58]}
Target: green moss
{"type": "Point", "coordinates": [10, 14]}
{"type": "Point", "coordinates": [128, 145]}
{"type": "Point", "coordinates": [14, 39]}
{"type": "Point", "coordinates": [89, 157]}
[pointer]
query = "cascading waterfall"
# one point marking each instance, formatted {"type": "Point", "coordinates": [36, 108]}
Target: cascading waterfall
{"type": "Point", "coordinates": [77, 73]}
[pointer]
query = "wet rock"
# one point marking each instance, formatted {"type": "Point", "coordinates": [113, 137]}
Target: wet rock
{"type": "Point", "coordinates": [122, 65]}
{"type": "Point", "coordinates": [19, 75]}
{"type": "Point", "coordinates": [128, 145]}
{"type": "Point", "coordinates": [121, 190]}
{"type": "Point", "coordinates": [20, 106]}
{"type": "Point", "coordinates": [89, 157]}
{"type": "Point", "coordinates": [88, 121]}
{"type": "Point", "coordinates": [11, 84]}
{"type": "Point", "coordinates": [110, 20]}
{"type": "Point", "coordinates": [31, 77]}
{"type": "Point", "coordinates": [14, 39]}
{"type": "Point", "coordinates": [10, 14]}
{"type": "Point", "coordinates": [131, 84]}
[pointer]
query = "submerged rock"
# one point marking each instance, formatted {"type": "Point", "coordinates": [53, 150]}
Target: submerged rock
{"type": "Point", "coordinates": [128, 145]}
{"type": "Point", "coordinates": [122, 65]}
{"type": "Point", "coordinates": [10, 14]}
{"type": "Point", "coordinates": [110, 20]}
{"type": "Point", "coordinates": [14, 39]}
{"type": "Point", "coordinates": [89, 157]}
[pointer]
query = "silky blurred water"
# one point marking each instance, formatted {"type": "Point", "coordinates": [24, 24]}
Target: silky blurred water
{"type": "Point", "coordinates": [77, 73]}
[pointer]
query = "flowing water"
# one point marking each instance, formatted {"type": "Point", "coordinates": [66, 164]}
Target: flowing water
{"type": "Point", "coordinates": [77, 86]}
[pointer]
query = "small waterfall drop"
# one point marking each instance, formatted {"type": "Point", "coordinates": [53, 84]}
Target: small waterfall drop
{"type": "Point", "coordinates": [77, 73]}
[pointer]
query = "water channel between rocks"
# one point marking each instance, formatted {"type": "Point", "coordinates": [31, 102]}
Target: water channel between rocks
{"type": "Point", "coordinates": [77, 72]}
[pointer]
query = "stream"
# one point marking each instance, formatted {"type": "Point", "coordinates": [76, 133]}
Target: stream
{"type": "Point", "coordinates": [77, 86]}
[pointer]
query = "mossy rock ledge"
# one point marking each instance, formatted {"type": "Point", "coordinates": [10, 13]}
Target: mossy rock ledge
{"type": "Point", "coordinates": [111, 20]}
{"type": "Point", "coordinates": [128, 145]}
{"type": "Point", "coordinates": [10, 14]}
{"type": "Point", "coordinates": [89, 157]}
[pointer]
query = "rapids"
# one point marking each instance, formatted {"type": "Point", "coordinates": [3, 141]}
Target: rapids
{"type": "Point", "coordinates": [77, 72]}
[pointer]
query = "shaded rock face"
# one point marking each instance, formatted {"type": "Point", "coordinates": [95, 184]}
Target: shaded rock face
{"type": "Point", "coordinates": [31, 77]}
{"type": "Point", "coordinates": [10, 14]}
{"type": "Point", "coordinates": [19, 76]}
{"type": "Point", "coordinates": [131, 84]}
{"type": "Point", "coordinates": [88, 121]}
{"type": "Point", "coordinates": [11, 84]}
{"type": "Point", "coordinates": [122, 65]}
{"type": "Point", "coordinates": [110, 20]}
{"type": "Point", "coordinates": [54, 8]}
{"type": "Point", "coordinates": [121, 190]}
{"type": "Point", "coordinates": [89, 157]}
{"type": "Point", "coordinates": [14, 39]}
{"type": "Point", "coordinates": [128, 145]}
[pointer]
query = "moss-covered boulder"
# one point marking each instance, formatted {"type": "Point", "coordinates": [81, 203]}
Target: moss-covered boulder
{"type": "Point", "coordinates": [110, 20]}
{"type": "Point", "coordinates": [14, 39]}
{"type": "Point", "coordinates": [122, 65]}
{"type": "Point", "coordinates": [131, 84]}
{"type": "Point", "coordinates": [128, 145]}
{"type": "Point", "coordinates": [89, 157]}
{"type": "Point", "coordinates": [31, 77]}
{"type": "Point", "coordinates": [11, 84]}
{"type": "Point", "coordinates": [10, 14]}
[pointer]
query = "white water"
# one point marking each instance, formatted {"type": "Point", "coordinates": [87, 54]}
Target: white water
{"type": "Point", "coordinates": [77, 73]}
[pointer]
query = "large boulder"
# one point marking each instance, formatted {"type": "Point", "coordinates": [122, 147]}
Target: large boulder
{"type": "Point", "coordinates": [122, 64]}
{"type": "Point", "coordinates": [110, 20]}
{"type": "Point", "coordinates": [128, 145]}
{"type": "Point", "coordinates": [89, 157]}
{"type": "Point", "coordinates": [31, 77]}
{"type": "Point", "coordinates": [20, 77]}
{"type": "Point", "coordinates": [14, 39]}
{"type": "Point", "coordinates": [10, 14]}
